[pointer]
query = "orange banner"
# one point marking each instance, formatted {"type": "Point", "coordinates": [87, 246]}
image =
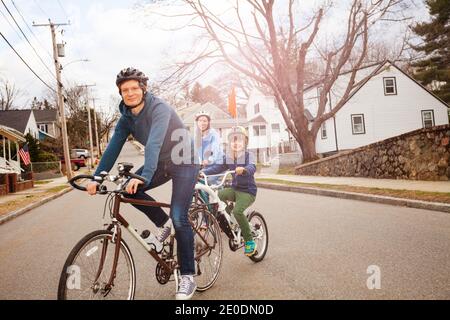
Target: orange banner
{"type": "Point", "coordinates": [232, 103]}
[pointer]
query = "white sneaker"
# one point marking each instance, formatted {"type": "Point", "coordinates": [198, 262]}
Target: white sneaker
{"type": "Point", "coordinates": [186, 288]}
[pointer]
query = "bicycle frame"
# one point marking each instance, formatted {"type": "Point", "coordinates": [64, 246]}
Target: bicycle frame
{"type": "Point", "coordinates": [118, 220]}
{"type": "Point", "coordinates": [221, 206]}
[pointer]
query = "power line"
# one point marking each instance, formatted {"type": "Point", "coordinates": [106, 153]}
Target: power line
{"type": "Point", "coordinates": [26, 38]}
{"type": "Point", "coordinates": [45, 14]}
{"type": "Point", "coordinates": [48, 86]}
{"type": "Point", "coordinates": [12, 27]}
{"type": "Point", "coordinates": [28, 27]}
{"type": "Point", "coordinates": [64, 11]}
{"type": "Point", "coordinates": [40, 8]}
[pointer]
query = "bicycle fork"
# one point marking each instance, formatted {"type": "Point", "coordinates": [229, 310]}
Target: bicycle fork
{"type": "Point", "coordinates": [115, 239]}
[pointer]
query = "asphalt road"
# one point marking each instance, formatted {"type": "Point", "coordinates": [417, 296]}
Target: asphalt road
{"type": "Point", "coordinates": [320, 248]}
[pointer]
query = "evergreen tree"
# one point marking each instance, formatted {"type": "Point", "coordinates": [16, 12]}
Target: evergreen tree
{"type": "Point", "coordinates": [434, 69]}
{"type": "Point", "coordinates": [33, 147]}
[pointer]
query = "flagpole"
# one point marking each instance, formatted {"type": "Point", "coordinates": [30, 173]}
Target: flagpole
{"type": "Point", "coordinates": [17, 154]}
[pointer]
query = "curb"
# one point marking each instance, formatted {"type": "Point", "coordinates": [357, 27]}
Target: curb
{"type": "Point", "coordinates": [434, 206]}
{"type": "Point", "coordinates": [17, 213]}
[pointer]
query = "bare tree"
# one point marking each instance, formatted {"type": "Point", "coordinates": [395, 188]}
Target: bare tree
{"type": "Point", "coordinates": [286, 55]}
{"type": "Point", "coordinates": [107, 119]}
{"type": "Point", "coordinates": [9, 93]}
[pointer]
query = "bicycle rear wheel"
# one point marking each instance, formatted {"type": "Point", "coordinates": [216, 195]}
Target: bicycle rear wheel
{"type": "Point", "coordinates": [208, 247]}
{"type": "Point", "coordinates": [260, 234]}
{"type": "Point", "coordinates": [78, 277]}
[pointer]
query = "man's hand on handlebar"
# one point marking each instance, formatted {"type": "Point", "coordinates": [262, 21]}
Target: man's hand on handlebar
{"type": "Point", "coordinates": [133, 185]}
{"type": "Point", "coordinates": [91, 187]}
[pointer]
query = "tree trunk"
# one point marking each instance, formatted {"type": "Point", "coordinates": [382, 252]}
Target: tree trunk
{"type": "Point", "coordinates": [308, 145]}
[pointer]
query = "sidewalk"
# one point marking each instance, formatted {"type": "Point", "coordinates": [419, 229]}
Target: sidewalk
{"type": "Point", "coordinates": [16, 204]}
{"type": "Point", "coordinates": [36, 190]}
{"type": "Point", "coordinates": [428, 186]}
{"type": "Point", "coordinates": [429, 195]}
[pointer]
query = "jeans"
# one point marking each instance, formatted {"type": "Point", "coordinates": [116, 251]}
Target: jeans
{"type": "Point", "coordinates": [184, 177]}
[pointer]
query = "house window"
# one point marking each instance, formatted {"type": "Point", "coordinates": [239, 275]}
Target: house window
{"type": "Point", "coordinates": [43, 127]}
{"type": "Point", "coordinates": [427, 118]}
{"type": "Point", "coordinates": [358, 126]}
{"type": "Point", "coordinates": [275, 127]}
{"type": "Point", "coordinates": [323, 131]}
{"type": "Point", "coordinates": [259, 131]}
{"type": "Point", "coordinates": [390, 86]}
{"type": "Point", "coordinates": [256, 108]}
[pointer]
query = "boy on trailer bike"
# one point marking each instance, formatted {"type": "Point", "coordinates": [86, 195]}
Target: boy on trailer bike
{"type": "Point", "coordinates": [151, 122]}
{"type": "Point", "coordinates": [243, 189]}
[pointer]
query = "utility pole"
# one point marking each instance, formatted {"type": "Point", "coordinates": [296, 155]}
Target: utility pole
{"type": "Point", "coordinates": [59, 94]}
{"type": "Point", "coordinates": [91, 146]}
{"type": "Point", "coordinates": [99, 151]}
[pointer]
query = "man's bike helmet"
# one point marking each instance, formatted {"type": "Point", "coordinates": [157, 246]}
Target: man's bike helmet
{"type": "Point", "coordinates": [132, 74]}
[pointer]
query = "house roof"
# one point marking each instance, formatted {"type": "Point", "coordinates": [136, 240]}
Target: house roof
{"type": "Point", "coordinates": [16, 119]}
{"type": "Point", "coordinates": [380, 68]}
{"type": "Point", "coordinates": [258, 118]}
{"type": "Point", "coordinates": [45, 115]}
{"type": "Point", "coordinates": [11, 134]}
{"type": "Point", "coordinates": [217, 113]}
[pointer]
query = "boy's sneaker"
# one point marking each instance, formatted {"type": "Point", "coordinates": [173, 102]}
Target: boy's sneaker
{"type": "Point", "coordinates": [164, 232]}
{"type": "Point", "coordinates": [186, 288]}
{"type": "Point", "coordinates": [250, 248]}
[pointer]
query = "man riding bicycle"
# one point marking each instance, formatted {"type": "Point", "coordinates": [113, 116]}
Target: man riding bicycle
{"type": "Point", "coordinates": [151, 121]}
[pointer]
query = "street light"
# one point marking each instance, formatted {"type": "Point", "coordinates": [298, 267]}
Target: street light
{"type": "Point", "coordinates": [79, 60]}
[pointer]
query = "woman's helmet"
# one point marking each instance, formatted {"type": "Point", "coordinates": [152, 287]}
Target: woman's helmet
{"type": "Point", "coordinates": [238, 130]}
{"type": "Point", "coordinates": [132, 74]}
{"type": "Point", "coordinates": [202, 113]}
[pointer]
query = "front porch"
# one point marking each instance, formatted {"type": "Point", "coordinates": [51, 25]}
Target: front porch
{"type": "Point", "coordinates": [12, 176]}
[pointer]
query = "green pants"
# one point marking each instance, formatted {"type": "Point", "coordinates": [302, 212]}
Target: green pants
{"type": "Point", "coordinates": [242, 200]}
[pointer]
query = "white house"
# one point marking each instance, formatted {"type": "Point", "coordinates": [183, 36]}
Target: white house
{"type": "Point", "coordinates": [268, 134]}
{"type": "Point", "coordinates": [10, 136]}
{"type": "Point", "coordinates": [267, 129]}
{"type": "Point", "coordinates": [388, 104]}
{"type": "Point", "coordinates": [48, 123]}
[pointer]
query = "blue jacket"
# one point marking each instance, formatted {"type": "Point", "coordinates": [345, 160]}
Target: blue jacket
{"type": "Point", "coordinates": [245, 182]}
{"type": "Point", "coordinates": [211, 149]}
{"type": "Point", "coordinates": [152, 127]}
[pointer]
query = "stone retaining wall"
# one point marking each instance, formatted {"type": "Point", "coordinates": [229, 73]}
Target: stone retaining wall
{"type": "Point", "coordinates": [423, 154]}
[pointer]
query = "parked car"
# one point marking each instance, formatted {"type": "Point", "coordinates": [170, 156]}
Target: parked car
{"type": "Point", "coordinates": [76, 164]}
{"type": "Point", "coordinates": [79, 153]}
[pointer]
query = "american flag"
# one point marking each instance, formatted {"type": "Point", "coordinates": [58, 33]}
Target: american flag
{"type": "Point", "coordinates": [25, 155]}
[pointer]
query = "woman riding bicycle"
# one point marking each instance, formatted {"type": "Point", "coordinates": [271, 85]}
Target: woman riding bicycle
{"type": "Point", "coordinates": [151, 122]}
{"type": "Point", "coordinates": [243, 189]}
{"type": "Point", "coordinates": [207, 140]}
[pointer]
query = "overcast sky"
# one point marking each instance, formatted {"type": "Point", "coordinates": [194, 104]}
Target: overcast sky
{"type": "Point", "coordinates": [110, 33]}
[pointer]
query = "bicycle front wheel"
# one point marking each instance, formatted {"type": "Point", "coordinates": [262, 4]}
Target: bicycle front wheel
{"type": "Point", "coordinates": [88, 268]}
{"type": "Point", "coordinates": [208, 247]}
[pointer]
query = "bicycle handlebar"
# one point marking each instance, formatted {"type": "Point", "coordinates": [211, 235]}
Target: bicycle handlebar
{"type": "Point", "coordinates": [135, 176]}
{"type": "Point", "coordinates": [81, 176]}
{"type": "Point", "coordinates": [100, 179]}
{"type": "Point", "coordinates": [222, 182]}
